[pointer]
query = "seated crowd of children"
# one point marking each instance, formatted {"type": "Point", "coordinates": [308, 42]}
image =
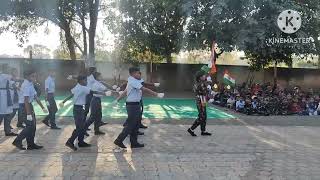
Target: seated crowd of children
{"type": "Point", "coordinates": [266, 100]}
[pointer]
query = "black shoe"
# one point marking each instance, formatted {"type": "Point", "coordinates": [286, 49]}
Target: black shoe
{"type": "Point", "coordinates": [86, 134]}
{"type": "Point", "coordinates": [101, 123]}
{"type": "Point", "coordinates": [11, 127]}
{"type": "Point", "coordinates": [140, 133]}
{"type": "Point", "coordinates": [18, 145]}
{"type": "Point", "coordinates": [11, 134]}
{"type": "Point", "coordinates": [34, 146]}
{"type": "Point", "coordinates": [20, 126]}
{"type": "Point", "coordinates": [137, 145]}
{"type": "Point", "coordinates": [99, 133]}
{"type": "Point", "coordinates": [46, 123]}
{"type": "Point", "coordinates": [120, 144]}
{"type": "Point", "coordinates": [205, 134]}
{"type": "Point", "coordinates": [71, 145]}
{"type": "Point", "coordinates": [191, 132]}
{"type": "Point", "coordinates": [55, 128]}
{"type": "Point", "coordinates": [143, 126]}
{"type": "Point", "coordinates": [84, 144]}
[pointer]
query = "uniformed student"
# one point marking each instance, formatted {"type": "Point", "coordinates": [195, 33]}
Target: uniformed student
{"type": "Point", "coordinates": [6, 107]}
{"type": "Point", "coordinates": [90, 81]}
{"type": "Point", "coordinates": [50, 85]}
{"type": "Point", "coordinates": [123, 94]}
{"type": "Point", "coordinates": [29, 95]}
{"type": "Point", "coordinates": [201, 92]}
{"type": "Point", "coordinates": [133, 106]}
{"type": "Point", "coordinates": [79, 93]}
{"type": "Point", "coordinates": [95, 105]}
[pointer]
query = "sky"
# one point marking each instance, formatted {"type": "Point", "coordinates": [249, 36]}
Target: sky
{"type": "Point", "coordinates": [9, 43]}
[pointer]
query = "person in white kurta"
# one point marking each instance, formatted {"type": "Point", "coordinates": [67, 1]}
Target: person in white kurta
{"type": "Point", "coordinates": [5, 102]}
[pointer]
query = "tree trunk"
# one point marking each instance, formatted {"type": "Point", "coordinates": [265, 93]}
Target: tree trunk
{"type": "Point", "coordinates": [318, 61]}
{"type": "Point", "coordinates": [70, 43]}
{"type": "Point", "coordinates": [168, 58]}
{"type": "Point", "coordinates": [84, 34]}
{"type": "Point", "coordinates": [275, 73]}
{"type": "Point", "coordinates": [93, 6]}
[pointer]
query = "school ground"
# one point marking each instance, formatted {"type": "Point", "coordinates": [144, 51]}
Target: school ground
{"type": "Point", "coordinates": [242, 148]}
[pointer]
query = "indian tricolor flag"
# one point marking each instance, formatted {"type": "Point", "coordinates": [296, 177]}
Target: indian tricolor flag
{"type": "Point", "coordinates": [227, 79]}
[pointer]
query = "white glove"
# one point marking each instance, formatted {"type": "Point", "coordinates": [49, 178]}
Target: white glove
{"type": "Point", "coordinates": [209, 87]}
{"type": "Point", "coordinates": [29, 118]}
{"type": "Point", "coordinates": [156, 84]}
{"type": "Point", "coordinates": [61, 105]}
{"type": "Point", "coordinates": [160, 95]}
{"type": "Point", "coordinates": [17, 84]}
{"type": "Point", "coordinates": [114, 87]}
{"type": "Point", "coordinates": [108, 93]}
{"type": "Point", "coordinates": [120, 92]}
{"type": "Point", "coordinates": [45, 110]}
{"type": "Point", "coordinates": [211, 101]}
{"type": "Point", "coordinates": [69, 77]}
{"type": "Point", "coordinates": [118, 89]}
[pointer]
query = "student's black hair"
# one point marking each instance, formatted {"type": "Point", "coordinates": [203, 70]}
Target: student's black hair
{"type": "Point", "coordinates": [133, 69]}
{"type": "Point", "coordinates": [96, 75]}
{"type": "Point", "coordinates": [91, 70]}
{"type": "Point", "coordinates": [81, 78]}
{"type": "Point", "coordinates": [28, 72]}
{"type": "Point", "coordinates": [199, 74]}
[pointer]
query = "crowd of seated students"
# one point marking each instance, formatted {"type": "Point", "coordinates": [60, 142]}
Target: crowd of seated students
{"type": "Point", "coordinates": [266, 99]}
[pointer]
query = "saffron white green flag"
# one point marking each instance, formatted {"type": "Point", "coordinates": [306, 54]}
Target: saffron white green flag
{"type": "Point", "coordinates": [227, 79]}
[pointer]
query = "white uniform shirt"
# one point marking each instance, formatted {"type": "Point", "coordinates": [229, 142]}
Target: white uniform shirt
{"type": "Point", "coordinates": [50, 84]}
{"type": "Point", "coordinates": [99, 87]}
{"type": "Point", "coordinates": [91, 80]}
{"type": "Point", "coordinates": [4, 108]}
{"type": "Point", "coordinates": [79, 94]}
{"type": "Point", "coordinates": [134, 93]}
{"type": "Point", "coordinates": [27, 90]}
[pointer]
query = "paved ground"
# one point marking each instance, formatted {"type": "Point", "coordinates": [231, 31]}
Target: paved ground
{"type": "Point", "coordinates": [279, 148]}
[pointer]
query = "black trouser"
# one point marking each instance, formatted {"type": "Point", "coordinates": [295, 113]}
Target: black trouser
{"type": "Point", "coordinates": [132, 127]}
{"type": "Point", "coordinates": [96, 113]}
{"type": "Point", "coordinates": [140, 122]}
{"type": "Point", "coordinates": [6, 119]}
{"type": "Point", "coordinates": [87, 105]}
{"type": "Point", "coordinates": [22, 116]}
{"type": "Point", "coordinates": [79, 120]}
{"type": "Point", "coordinates": [52, 110]}
{"type": "Point", "coordinates": [202, 118]}
{"type": "Point", "coordinates": [11, 116]}
{"type": "Point", "coordinates": [29, 131]}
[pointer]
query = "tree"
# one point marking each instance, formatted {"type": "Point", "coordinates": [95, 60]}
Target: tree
{"type": "Point", "coordinates": [261, 25]}
{"type": "Point", "coordinates": [150, 25]}
{"type": "Point", "coordinates": [62, 13]}
{"type": "Point", "coordinates": [38, 51]}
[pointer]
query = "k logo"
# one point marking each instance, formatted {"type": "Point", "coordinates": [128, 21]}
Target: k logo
{"type": "Point", "coordinates": [289, 21]}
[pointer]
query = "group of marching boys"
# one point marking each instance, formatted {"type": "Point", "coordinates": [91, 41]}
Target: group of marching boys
{"type": "Point", "coordinates": [18, 94]}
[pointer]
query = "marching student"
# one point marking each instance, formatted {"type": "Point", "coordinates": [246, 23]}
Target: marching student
{"type": "Point", "coordinates": [50, 100]}
{"type": "Point", "coordinates": [90, 81]}
{"type": "Point", "coordinates": [201, 92]}
{"type": "Point", "coordinates": [6, 108]}
{"type": "Point", "coordinates": [95, 105]}
{"type": "Point", "coordinates": [133, 106]}
{"type": "Point", "coordinates": [123, 94]}
{"type": "Point", "coordinates": [79, 94]}
{"type": "Point", "coordinates": [29, 95]}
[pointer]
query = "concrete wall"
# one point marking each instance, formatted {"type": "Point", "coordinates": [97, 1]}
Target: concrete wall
{"type": "Point", "coordinates": [173, 77]}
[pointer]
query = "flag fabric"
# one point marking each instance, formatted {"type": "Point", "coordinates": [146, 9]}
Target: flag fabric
{"type": "Point", "coordinates": [227, 79]}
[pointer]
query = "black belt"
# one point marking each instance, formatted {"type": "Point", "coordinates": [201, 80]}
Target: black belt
{"type": "Point", "coordinates": [78, 106]}
{"type": "Point", "coordinates": [132, 103]}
